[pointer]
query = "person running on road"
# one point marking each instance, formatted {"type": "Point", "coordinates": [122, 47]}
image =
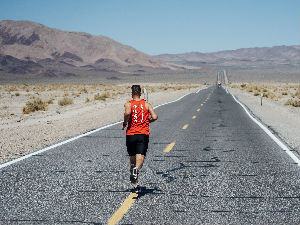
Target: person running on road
{"type": "Point", "coordinates": [138, 114]}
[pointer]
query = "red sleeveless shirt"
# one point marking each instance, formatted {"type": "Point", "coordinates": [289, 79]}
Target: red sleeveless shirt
{"type": "Point", "coordinates": [139, 119]}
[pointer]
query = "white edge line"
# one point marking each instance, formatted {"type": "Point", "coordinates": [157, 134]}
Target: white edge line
{"type": "Point", "coordinates": [201, 89]}
{"type": "Point", "coordinates": [172, 101]}
{"type": "Point", "coordinates": [76, 137]}
{"type": "Point", "coordinates": [278, 142]}
{"type": "Point", "coordinates": [56, 145]}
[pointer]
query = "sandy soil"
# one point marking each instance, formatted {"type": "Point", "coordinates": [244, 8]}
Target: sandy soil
{"type": "Point", "coordinates": [283, 119]}
{"type": "Point", "coordinates": [25, 133]}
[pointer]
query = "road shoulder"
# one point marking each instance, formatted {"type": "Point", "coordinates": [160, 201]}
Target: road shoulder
{"type": "Point", "coordinates": [284, 120]}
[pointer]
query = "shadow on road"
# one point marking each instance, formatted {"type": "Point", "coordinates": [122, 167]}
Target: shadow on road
{"type": "Point", "coordinates": [148, 191]}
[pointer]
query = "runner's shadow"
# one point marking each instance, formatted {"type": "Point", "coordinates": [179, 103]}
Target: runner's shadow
{"type": "Point", "coordinates": [143, 191]}
{"type": "Point", "coordinates": [148, 191]}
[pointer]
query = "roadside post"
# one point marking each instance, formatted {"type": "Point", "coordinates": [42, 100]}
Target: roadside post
{"type": "Point", "coordinates": [261, 97]}
{"type": "Point", "coordinates": [145, 94]}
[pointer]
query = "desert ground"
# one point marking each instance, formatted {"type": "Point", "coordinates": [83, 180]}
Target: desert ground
{"type": "Point", "coordinates": [37, 115]}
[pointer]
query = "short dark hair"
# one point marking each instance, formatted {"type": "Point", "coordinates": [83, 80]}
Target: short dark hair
{"type": "Point", "coordinates": [136, 89]}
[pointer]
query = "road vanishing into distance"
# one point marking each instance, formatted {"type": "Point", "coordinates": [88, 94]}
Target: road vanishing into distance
{"type": "Point", "coordinates": [207, 163]}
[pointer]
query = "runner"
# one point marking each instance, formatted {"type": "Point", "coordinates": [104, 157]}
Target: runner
{"type": "Point", "coordinates": [138, 114]}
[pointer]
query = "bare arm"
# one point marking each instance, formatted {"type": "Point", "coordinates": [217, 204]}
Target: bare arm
{"type": "Point", "coordinates": [152, 113]}
{"type": "Point", "coordinates": [126, 115]}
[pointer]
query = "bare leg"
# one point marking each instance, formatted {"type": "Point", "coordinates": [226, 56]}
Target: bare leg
{"type": "Point", "coordinates": [139, 160]}
{"type": "Point", "coordinates": [132, 161]}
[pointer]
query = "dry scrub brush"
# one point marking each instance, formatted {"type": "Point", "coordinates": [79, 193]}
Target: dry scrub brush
{"type": "Point", "coordinates": [293, 102]}
{"type": "Point", "coordinates": [35, 105]}
{"type": "Point", "coordinates": [101, 97]}
{"type": "Point", "coordinates": [65, 101]}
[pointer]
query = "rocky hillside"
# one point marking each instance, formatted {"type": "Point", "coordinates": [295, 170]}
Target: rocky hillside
{"type": "Point", "coordinates": [27, 47]}
{"type": "Point", "coordinates": [278, 55]}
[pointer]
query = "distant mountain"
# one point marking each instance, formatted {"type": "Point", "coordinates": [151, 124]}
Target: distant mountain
{"type": "Point", "coordinates": [278, 55]}
{"type": "Point", "coordinates": [28, 47]}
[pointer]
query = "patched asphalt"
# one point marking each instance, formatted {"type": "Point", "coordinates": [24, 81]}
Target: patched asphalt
{"type": "Point", "coordinates": [223, 169]}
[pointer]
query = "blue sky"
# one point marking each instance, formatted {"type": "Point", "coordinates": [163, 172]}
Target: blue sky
{"type": "Point", "coordinates": [169, 26]}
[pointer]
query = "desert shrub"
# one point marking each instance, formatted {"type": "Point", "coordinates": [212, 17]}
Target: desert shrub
{"type": "Point", "coordinates": [265, 90]}
{"type": "Point", "coordinates": [101, 97]}
{"type": "Point", "coordinates": [11, 89]}
{"type": "Point", "coordinates": [256, 94]}
{"type": "Point", "coordinates": [177, 88]}
{"type": "Point", "coordinates": [87, 100]}
{"type": "Point", "coordinates": [17, 94]}
{"type": "Point", "coordinates": [35, 105]}
{"type": "Point", "coordinates": [296, 95]}
{"type": "Point", "coordinates": [65, 101]}
{"type": "Point", "coordinates": [269, 95]}
{"type": "Point", "coordinates": [292, 102]}
{"type": "Point", "coordinates": [243, 85]}
{"type": "Point", "coordinates": [50, 101]}
{"type": "Point", "coordinates": [84, 90]}
{"type": "Point", "coordinates": [284, 93]}
{"type": "Point", "coordinates": [4, 107]}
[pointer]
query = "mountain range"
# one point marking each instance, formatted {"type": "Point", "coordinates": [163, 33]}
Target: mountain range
{"type": "Point", "coordinates": [29, 47]}
{"type": "Point", "coordinates": [34, 49]}
{"type": "Point", "coordinates": [255, 57]}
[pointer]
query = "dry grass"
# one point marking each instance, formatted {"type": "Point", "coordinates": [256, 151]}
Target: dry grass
{"type": "Point", "coordinates": [50, 101]}
{"type": "Point", "coordinates": [31, 95]}
{"type": "Point", "coordinates": [5, 107]}
{"type": "Point", "coordinates": [101, 97]}
{"type": "Point", "coordinates": [65, 101]}
{"type": "Point", "coordinates": [292, 102]}
{"type": "Point", "coordinates": [273, 91]}
{"type": "Point", "coordinates": [35, 105]}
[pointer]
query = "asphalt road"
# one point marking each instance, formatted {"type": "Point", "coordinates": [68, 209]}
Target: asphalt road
{"type": "Point", "coordinates": [221, 169]}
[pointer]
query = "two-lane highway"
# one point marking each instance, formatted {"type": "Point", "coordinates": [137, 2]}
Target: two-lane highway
{"type": "Point", "coordinates": [207, 163]}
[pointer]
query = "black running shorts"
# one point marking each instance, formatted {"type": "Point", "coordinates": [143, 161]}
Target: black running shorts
{"type": "Point", "coordinates": [137, 144]}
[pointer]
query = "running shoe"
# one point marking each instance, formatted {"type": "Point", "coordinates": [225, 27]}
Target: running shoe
{"type": "Point", "coordinates": [137, 189]}
{"type": "Point", "coordinates": [134, 174]}
{"type": "Point", "coordinates": [131, 175]}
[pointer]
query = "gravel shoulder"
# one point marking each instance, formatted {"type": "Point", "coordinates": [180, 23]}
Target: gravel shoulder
{"type": "Point", "coordinates": [284, 120]}
{"type": "Point", "coordinates": [27, 133]}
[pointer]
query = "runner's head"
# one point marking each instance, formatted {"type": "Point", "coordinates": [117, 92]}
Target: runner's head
{"type": "Point", "coordinates": [136, 90]}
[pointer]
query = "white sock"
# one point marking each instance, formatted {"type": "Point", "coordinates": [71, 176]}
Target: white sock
{"type": "Point", "coordinates": [135, 185]}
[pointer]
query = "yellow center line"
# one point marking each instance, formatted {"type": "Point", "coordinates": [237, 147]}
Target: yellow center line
{"type": "Point", "coordinates": [198, 110]}
{"type": "Point", "coordinates": [185, 126]}
{"type": "Point", "coordinates": [123, 209]}
{"type": "Point", "coordinates": [169, 147]}
{"type": "Point", "coordinates": [194, 117]}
